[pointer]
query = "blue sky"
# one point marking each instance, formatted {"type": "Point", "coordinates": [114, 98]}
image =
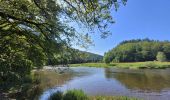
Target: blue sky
{"type": "Point", "coordinates": [138, 19]}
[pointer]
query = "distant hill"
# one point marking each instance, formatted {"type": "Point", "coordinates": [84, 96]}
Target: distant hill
{"type": "Point", "coordinates": [73, 56]}
{"type": "Point", "coordinates": [92, 57]}
{"type": "Point", "coordinates": [137, 50]}
{"type": "Point", "coordinates": [85, 57]}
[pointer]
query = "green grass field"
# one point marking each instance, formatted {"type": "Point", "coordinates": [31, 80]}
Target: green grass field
{"type": "Point", "coordinates": [130, 65]}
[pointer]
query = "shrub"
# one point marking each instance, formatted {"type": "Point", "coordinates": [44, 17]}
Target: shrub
{"type": "Point", "coordinates": [69, 95]}
{"type": "Point", "coordinates": [161, 57]}
{"type": "Point", "coordinates": [148, 65]}
{"type": "Point", "coordinates": [75, 95]}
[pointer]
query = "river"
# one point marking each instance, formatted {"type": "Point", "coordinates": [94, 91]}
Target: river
{"type": "Point", "coordinates": [147, 84]}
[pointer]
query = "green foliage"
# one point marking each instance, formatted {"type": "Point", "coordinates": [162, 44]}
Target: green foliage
{"type": "Point", "coordinates": [107, 58]}
{"type": "Point", "coordinates": [149, 65]}
{"type": "Point", "coordinates": [161, 57]}
{"type": "Point", "coordinates": [137, 50]}
{"type": "Point", "coordinates": [24, 42]}
{"type": "Point", "coordinates": [32, 34]}
{"type": "Point", "coordinates": [75, 95]}
{"type": "Point", "coordinates": [84, 57]}
{"type": "Point", "coordinates": [93, 13]}
{"type": "Point", "coordinates": [17, 59]}
{"type": "Point", "coordinates": [74, 56]}
{"type": "Point", "coordinates": [69, 95]}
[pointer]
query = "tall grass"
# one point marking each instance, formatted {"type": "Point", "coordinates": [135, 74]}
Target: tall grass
{"type": "Point", "coordinates": [75, 95]}
{"type": "Point", "coordinates": [69, 95]}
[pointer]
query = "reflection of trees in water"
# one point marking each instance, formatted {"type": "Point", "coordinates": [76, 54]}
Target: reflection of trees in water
{"type": "Point", "coordinates": [46, 79]}
{"type": "Point", "coordinates": [146, 80]}
{"type": "Point", "coordinates": [49, 79]}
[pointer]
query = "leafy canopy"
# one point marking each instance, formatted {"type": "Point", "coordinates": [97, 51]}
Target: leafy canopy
{"type": "Point", "coordinates": [34, 31]}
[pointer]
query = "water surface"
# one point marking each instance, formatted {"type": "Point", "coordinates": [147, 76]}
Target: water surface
{"type": "Point", "coordinates": [148, 84]}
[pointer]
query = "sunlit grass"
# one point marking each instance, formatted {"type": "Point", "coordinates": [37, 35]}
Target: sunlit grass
{"type": "Point", "coordinates": [135, 65]}
{"type": "Point", "coordinates": [90, 65]}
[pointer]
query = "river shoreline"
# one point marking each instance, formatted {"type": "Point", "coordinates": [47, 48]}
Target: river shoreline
{"type": "Point", "coordinates": [128, 65]}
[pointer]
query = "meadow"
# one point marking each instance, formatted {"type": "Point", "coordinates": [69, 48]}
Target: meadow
{"type": "Point", "coordinates": [129, 65]}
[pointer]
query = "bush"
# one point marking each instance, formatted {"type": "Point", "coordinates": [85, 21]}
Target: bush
{"type": "Point", "coordinates": [161, 57]}
{"type": "Point", "coordinates": [75, 95]}
{"type": "Point", "coordinates": [149, 65]}
{"type": "Point", "coordinates": [69, 95]}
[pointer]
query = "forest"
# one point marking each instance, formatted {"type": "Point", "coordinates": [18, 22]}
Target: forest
{"type": "Point", "coordinates": [75, 56]}
{"type": "Point", "coordinates": [138, 50]}
{"type": "Point", "coordinates": [85, 57]}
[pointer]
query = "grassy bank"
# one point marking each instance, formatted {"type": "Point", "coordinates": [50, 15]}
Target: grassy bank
{"type": "Point", "coordinates": [91, 65]}
{"type": "Point", "coordinates": [131, 65]}
{"type": "Point", "coordinates": [80, 95]}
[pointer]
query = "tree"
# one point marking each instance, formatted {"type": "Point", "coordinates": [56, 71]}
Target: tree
{"type": "Point", "coordinates": [161, 57]}
{"type": "Point", "coordinates": [33, 32]}
{"type": "Point", "coordinates": [92, 13]}
{"type": "Point", "coordinates": [166, 49]}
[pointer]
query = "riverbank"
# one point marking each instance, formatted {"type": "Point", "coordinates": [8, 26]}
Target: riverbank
{"type": "Point", "coordinates": [130, 65]}
{"type": "Point", "coordinates": [80, 95]}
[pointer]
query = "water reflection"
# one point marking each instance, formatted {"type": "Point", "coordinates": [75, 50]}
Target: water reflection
{"type": "Point", "coordinates": [141, 80]}
{"type": "Point", "coordinates": [146, 84]}
{"type": "Point", "coordinates": [51, 78]}
{"type": "Point", "coordinates": [51, 81]}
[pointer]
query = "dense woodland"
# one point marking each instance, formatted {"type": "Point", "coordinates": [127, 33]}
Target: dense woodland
{"type": "Point", "coordinates": [74, 57]}
{"type": "Point", "coordinates": [138, 50]}
{"type": "Point", "coordinates": [86, 57]}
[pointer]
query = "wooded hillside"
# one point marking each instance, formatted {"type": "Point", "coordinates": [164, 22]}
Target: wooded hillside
{"type": "Point", "coordinates": [137, 50]}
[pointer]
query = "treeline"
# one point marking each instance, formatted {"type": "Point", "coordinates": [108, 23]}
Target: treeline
{"type": "Point", "coordinates": [86, 57]}
{"type": "Point", "coordinates": [137, 50]}
{"type": "Point", "coordinates": [139, 40]}
{"type": "Point", "coordinates": [73, 56]}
